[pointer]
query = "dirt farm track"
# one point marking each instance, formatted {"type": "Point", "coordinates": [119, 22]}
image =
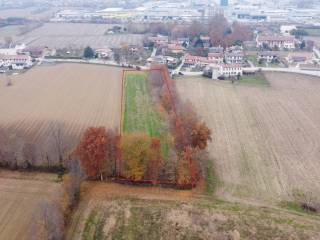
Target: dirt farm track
{"type": "Point", "coordinates": [70, 96]}
{"type": "Point", "coordinates": [266, 140]}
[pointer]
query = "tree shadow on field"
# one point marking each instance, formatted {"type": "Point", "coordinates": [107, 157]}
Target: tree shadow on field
{"type": "Point", "coordinates": [41, 145]}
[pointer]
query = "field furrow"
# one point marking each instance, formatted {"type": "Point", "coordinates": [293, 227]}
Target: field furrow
{"type": "Point", "coordinates": [265, 139]}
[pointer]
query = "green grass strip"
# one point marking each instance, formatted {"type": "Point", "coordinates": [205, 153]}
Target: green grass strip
{"type": "Point", "coordinates": [140, 113]}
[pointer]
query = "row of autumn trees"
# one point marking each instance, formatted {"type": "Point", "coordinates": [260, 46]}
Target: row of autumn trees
{"type": "Point", "coordinates": [140, 154]}
{"type": "Point", "coordinates": [190, 134]}
{"type": "Point", "coordinates": [217, 28]}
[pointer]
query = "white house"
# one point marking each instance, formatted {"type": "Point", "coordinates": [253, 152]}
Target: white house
{"type": "Point", "coordinates": [16, 61]}
{"type": "Point", "coordinates": [275, 41]}
{"type": "Point", "coordinates": [105, 53]}
{"type": "Point", "coordinates": [300, 57]}
{"type": "Point", "coordinates": [226, 70]}
{"type": "Point", "coordinates": [176, 48]}
{"type": "Point", "coordinates": [216, 49]}
{"type": "Point", "coordinates": [268, 56]}
{"type": "Point", "coordinates": [234, 57]}
{"type": "Point", "coordinates": [232, 70]}
{"type": "Point", "coordinates": [159, 40]}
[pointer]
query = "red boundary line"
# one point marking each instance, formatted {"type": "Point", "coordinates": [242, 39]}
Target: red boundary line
{"type": "Point", "coordinates": [118, 157]}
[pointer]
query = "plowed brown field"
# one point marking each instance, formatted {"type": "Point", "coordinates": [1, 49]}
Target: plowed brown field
{"type": "Point", "coordinates": [19, 200]}
{"type": "Point", "coordinates": [77, 35]}
{"type": "Point", "coordinates": [266, 140]}
{"type": "Point", "coordinates": [72, 96]}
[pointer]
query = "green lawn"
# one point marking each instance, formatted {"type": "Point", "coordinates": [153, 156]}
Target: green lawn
{"type": "Point", "coordinates": [257, 79]}
{"type": "Point", "coordinates": [253, 59]}
{"type": "Point", "coordinates": [140, 112]}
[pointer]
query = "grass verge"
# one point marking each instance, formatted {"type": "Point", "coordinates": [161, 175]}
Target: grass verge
{"type": "Point", "coordinates": [140, 114]}
{"type": "Point", "coordinates": [257, 79]}
{"type": "Point", "coordinates": [210, 178]}
{"type": "Point", "coordinates": [253, 59]}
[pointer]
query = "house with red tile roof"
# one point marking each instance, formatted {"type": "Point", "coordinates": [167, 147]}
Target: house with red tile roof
{"type": "Point", "coordinates": [15, 61]}
{"type": "Point", "coordinates": [275, 41]}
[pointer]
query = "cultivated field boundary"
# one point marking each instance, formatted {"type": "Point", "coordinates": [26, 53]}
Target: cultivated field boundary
{"type": "Point", "coordinates": [163, 182]}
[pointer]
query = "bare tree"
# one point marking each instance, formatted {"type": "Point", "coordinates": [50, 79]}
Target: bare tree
{"type": "Point", "coordinates": [47, 222]}
{"type": "Point", "coordinates": [73, 183]}
{"type": "Point", "coordinates": [29, 154]}
{"type": "Point", "coordinates": [61, 143]}
{"type": "Point", "coordinates": [58, 142]}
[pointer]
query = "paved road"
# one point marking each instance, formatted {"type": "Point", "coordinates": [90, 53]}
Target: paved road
{"type": "Point", "coordinates": [177, 70]}
{"type": "Point", "coordinates": [292, 70]}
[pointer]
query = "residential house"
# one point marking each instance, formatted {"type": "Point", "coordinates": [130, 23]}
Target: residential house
{"type": "Point", "coordinates": [268, 56]}
{"type": "Point", "coordinates": [300, 57]}
{"type": "Point", "coordinates": [176, 48]}
{"type": "Point", "coordinates": [206, 41]}
{"type": "Point", "coordinates": [216, 56]}
{"type": "Point", "coordinates": [171, 61]}
{"type": "Point", "coordinates": [16, 61]}
{"type": "Point", "coordinates": [104, 53]}
{"type": "Point", "coordinates": [185, 41]}
{"type": "Point", "coordinates": [201, 62]}
{"type": "Point", "coordinates": [190, 60]}
{"type": "Point", "coordinates": [225, 70]}
{"type": "Point", "coordinates": [232, 70]}
{"type": "Point", "coordinates": [234, 57]}
{"type": "Point", "coordinates": [216, 50]}
{"type": "Point", "coordinates": [235, 49]}
{"type": "Point", "coordinates": [159, 39]}
{"type": "Point", "coordinates": [275, 41]}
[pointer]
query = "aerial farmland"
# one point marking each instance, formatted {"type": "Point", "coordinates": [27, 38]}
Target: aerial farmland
{"type": "Point", "coordinates": [64, 35]}
{"type": "Point", "coordinates": [159, 120]}
{"type": "Point", "coordinates": [76, 96]}
{"type": "Point", "coordinates": [71, 97]}
{"type": "Point", "coordinates": [266, 138]}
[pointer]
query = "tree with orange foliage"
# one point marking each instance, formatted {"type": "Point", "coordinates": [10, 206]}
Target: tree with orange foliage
{"type": "Point", "coordinates": [156, 162]}
{"type": "Point", "coordinates": [135, 153]}
{"type": "Point", "coordinates": [184, 173]}
{"type": "Point", "coordinates": [92, 151]}
{"type": "Point", "coordinates": [200, 135]}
